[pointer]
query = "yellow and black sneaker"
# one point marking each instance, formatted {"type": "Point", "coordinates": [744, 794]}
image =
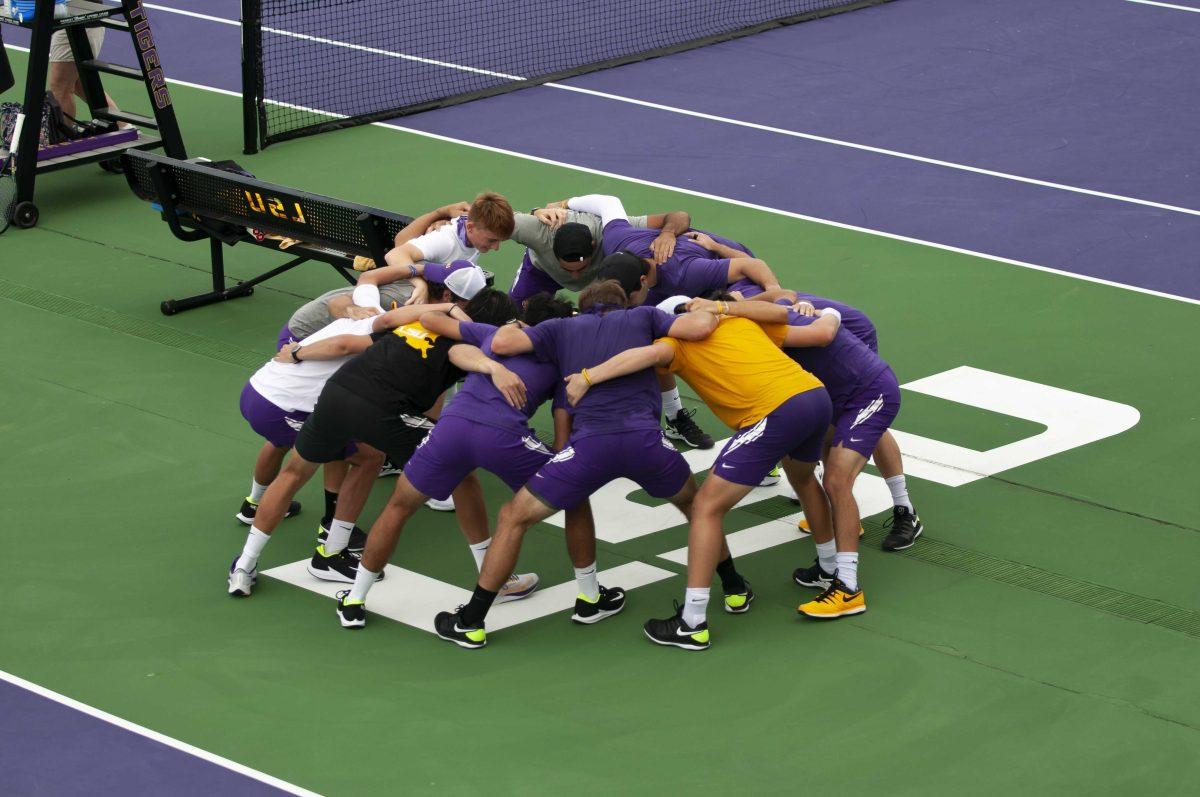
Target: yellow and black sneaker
{"type": "Point", "coordinates": [674, 631]}
{"type": "Point", "coordinates": [351, 614]}
{"type": "Point", "coordinates": [610, 602]}
{"type": "Point", "coordinates": [450, 627]}
{"type": "Point", "coordinates": [358, 537]}
{"type": "Point", "coordinates": [739, 602]}
{"type": "Point", "coordinates": [249, 509]}
{"type": "Point", "coordinates": [836, 601]}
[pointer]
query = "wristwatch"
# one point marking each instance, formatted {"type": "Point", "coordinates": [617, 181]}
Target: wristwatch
{"type": "Point", "coordinates": [295, 355]}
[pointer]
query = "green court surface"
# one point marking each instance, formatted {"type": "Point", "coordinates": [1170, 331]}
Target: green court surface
{"type": "Point", "coordinates": [1043, 637]}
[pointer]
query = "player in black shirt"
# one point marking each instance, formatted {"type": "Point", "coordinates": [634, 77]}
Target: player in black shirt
{"type": "Point", "coordinates": [377, 400]}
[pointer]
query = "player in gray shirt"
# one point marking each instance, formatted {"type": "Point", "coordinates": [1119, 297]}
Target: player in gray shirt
{"type": "Point", "coordinates": [563, 248]}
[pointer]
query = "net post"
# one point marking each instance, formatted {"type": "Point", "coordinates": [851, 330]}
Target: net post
{"type": "Point", "coordinates": [251, 69]}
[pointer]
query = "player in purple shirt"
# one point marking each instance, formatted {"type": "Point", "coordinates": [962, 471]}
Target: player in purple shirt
{"type": "Point", "coordinates": [614, 434]}
{"type": "Point", "coordinates": [480, 428]}
{"type": "Point", "coordinates": [636, 262]}
{"type": "Point", "coordinates": [905, 526]}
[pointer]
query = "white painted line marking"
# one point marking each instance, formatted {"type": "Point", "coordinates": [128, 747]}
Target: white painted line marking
{"type": "Point", "coordinates": [413, 599]}
{"type": "Point", "coordinates": [716, 198]}
{"type": "Point", "coordinates": [1165, 5]}
{"type": "Point", "coordinates": [126, 725]}
{"type": "Point", "coordinates": [730, 121]}
{"type": "Point", "coordinates": [870, 491]}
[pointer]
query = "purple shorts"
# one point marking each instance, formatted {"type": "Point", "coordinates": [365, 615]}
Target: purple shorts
{"type": "Point", "coordinates": [269, 421]}
{"type": "Point", "coordinates": [865, 416]}
{"type": "Point", "coordinates": [531, 281]}
{"type": "Point", "coordinates": [457, 446]}
{"type": "Point", "coordinates": [285, 337]}
{"type": "Point", "coordinates": [589, 463]}
{"type": "Point", "coordinates": [796, 429]}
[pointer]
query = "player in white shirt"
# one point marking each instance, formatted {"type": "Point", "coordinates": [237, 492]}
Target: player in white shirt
{"type": "Point", "coordinates": [487, 224]}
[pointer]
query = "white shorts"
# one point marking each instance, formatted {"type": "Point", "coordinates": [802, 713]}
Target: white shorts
{"type": "Point", "coordinates": [60, 48]}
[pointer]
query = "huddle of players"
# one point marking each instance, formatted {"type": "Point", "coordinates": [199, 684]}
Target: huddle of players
{"type": "Point", "coordinates": [365, 384]}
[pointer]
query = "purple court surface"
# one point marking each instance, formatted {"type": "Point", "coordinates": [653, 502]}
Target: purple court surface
{"type": "Point", "coordinates": [101, 758]}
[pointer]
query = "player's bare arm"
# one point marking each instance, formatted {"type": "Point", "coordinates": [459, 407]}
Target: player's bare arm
{"type": "Point", "coordinates": [471, 358]}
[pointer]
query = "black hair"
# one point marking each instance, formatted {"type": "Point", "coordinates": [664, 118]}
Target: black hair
{"type": "Point", "coordinates": [544, 306]}
{"type": "Point", "coordinates": [719, 296]}
{"type": "Point", "coordinates": [491, 306]}
{"type": "Point", "coordinates": [625, 268]}
{"type": "Point", "coordinates": [438, 292]}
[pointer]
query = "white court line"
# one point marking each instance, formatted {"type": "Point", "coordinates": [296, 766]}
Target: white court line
{"type": "Point", "coordinates": [126, 725]}
{"type": "Point", "coordinates": [716, 198]}
{"type": "Point", "coordinates": [1165, 5]}
{"type": "Point", "coordinates": [728, 120]}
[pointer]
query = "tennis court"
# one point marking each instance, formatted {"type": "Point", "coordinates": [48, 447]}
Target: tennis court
{"type": "Point", "coordinates": [1010, 190]}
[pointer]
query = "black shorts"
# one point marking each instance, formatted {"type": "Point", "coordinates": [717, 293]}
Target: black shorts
{"type": "Point", "coordinates": [341, 417]}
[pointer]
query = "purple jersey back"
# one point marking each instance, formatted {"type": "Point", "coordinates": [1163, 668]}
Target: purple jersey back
{"type": "Point", "coordinates": [480, 401]}
{"type": "Point", "coordinates": [585, 341]}
{"type": "Point", "coordinates": [853, 319]}
{"type": "Point", "coordinates": [691, 270]}
{"type": "Point", "coordinates": [844, 366]}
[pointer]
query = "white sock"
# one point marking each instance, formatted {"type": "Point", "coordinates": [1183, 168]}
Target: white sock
{"type": "Point", "coordinates": [479, 551]}
{"type": "Point", "coordinates": [339, 536]}
{"type": "Point", "coordinates": [695, 605]}
{"type": "Point", "coordinates": [899, 491]}
{"type": "Point", "coordinates": [256, 491]}
{"type": "Point", "coordinates": [672, 403]}
{"type": "Point", "coordinates": [255, 542]}
{"type": "Point", "coordinates": [585, 579]}
{"type": "Point", "coordinates": [362, 584]}
{"type": "Point", "coordinates": [847, 570]}
{"type": "Point", "coordinates": [827, 555]}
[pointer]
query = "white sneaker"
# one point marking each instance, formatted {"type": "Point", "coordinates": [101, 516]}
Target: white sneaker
{"type": "Point", "coordinates": [772, 478]}
{"type": "Point", "coordinates": [441, 506]}
{"type": "Point", "coordinates": [519, 585]}
{"type": "Point", "coordinates": [240, 582]}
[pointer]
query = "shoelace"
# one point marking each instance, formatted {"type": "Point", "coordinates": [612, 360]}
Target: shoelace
{"type": "Point", "coordinates": [827, 595]}
{"type": "Point", "coordinates": [684, 419]}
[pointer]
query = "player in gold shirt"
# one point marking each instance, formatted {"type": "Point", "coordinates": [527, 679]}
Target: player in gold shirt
{"type": "Point", "coordinates": [780, 412]}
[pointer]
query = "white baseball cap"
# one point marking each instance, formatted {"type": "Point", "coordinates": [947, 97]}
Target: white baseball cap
{"type": "Point", "coordinates": [674, 305]}
{"type": "Point", "coordinates": [462, 277]}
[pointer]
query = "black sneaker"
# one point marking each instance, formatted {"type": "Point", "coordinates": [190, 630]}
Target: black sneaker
{"type": "Point", "coordinates": [450, 627]}
{"type": "Point", "coordinates": [610, 602]}
{"type": "Point", "coordinates": [682, 427]}
{"type": "Point", "coordinates": [739, 602]}
{"type": "Point", "coordinates": [358, 538]}
{"type": "Point", "coordinates": [674, 631]}
{"type": "Point", "coordinates": [904, 528]}
{"type": "Point", "coordinates": [813, 576]}
{"type": "Point", "coordinates": [388, 469]}
{"type": "Point", "coordinates": [350, 615]}
{"type": "Point", "coordinates": [250, 508]}
{"type": "Point", "coordinates": [341, 566]}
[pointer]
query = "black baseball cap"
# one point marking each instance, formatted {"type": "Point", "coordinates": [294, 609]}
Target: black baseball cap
{"type": "Point", "coordinates": [624, 267]}
{"type": "Point", "coordinates": [573, 242]}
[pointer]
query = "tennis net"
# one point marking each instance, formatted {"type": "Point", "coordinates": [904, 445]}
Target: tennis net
{"type": "Point", "coordinates": [311, 66]}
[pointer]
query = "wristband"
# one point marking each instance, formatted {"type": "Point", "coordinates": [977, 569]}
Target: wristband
{"type": "Point", "coordinates": [412, 271]}
{"type": "Point", "coordinates": [722, 308]}
{"type": "Point", "coordinates": [586, 378]}
{"type": "Point", "coordinates": [832, 311]}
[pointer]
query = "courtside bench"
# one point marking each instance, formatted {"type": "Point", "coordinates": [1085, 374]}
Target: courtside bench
{"type": "Point", "coordinates": [201, 202]}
